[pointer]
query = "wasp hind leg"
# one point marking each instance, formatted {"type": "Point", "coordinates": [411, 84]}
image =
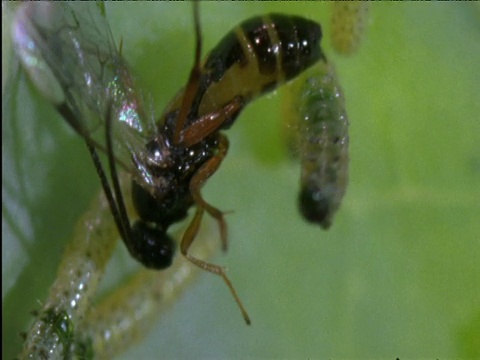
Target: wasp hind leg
{"type": "Point", "coordinates": [187, 241]}
{"type": "Point", "coordinates": [200, 177]}
{"type": "Point", "coordinates": [212, 122]}
{"type": "Point", "coordinates": [207, 170]}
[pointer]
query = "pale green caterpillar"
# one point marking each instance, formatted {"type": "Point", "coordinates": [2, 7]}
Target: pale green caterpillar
{"type": "Point", "coordinates": [348, 24]}
{"type": "Point", "coordinates": [68, 326]}
{"type": "Point", "coordinates": [71, 294]}
{"type": "Point", "coordinates": [319, 129]}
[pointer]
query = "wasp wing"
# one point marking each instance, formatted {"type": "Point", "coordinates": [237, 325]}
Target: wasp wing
{"type": "Point", "coordinates": [68, 50]}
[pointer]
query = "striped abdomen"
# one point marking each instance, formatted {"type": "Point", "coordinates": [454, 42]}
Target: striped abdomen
{"type": "Point", "coordinates": [255, 57]}
{"type": "Point", "coordinates": [323, 141]}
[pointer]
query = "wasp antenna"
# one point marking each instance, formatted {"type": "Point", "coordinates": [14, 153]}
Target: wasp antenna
{"type": "Point", "coordinates": [123, 222]}
{"type": "Point", "coordinates": [194, 79]}
{"type": "Point", "coordinates": [198, 33]}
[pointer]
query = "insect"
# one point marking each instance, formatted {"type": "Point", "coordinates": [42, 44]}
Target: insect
{"type": "Point", "coordinates": [348, 25]}
{"type": "Point", "coordinates": [323, 127]}
{"type": "Point", "coordinates": [69, 52]}
{"type": "Point", "coordinates": [318, 134]}
{"type": "Point", "coordinates": [69, 326]}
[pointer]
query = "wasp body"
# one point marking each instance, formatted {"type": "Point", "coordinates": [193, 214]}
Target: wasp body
{"type": "Point", "coordinates": [254, 58]}
{"type": "Point", "coordinates": [169, 162]}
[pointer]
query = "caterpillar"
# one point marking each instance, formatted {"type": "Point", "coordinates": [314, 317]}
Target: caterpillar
{"type": "Point", "coordinates": [319, 123]}
{"type": "Point", "coordinates": [69, 325]}
{"type": "Point", "coordinates": [348, 24]}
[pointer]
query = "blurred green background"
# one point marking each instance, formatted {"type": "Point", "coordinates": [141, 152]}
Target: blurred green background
{"type": "Point", "coordinates": [398, 274]}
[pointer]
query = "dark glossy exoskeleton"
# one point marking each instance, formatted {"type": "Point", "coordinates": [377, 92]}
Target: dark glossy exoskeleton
{"type": "Point", "coordinates": [252, 59]}
{"type": "Point", "coordinates": [173, 159]}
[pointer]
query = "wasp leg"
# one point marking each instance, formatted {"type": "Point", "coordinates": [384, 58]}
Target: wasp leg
{"type": "Point", "coordinates": [200, 177]}
{"type": "Point", "coordinates": [194, 78]}
{"type": "Point", "coordinates": [209, 123]}
{"type": "Point", "coordinates": [207, 170]}
{"type": "Point", "coordinates": [187, 241]}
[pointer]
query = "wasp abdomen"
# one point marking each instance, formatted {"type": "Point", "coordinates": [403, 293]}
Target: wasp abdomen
{"type": "Point", "coordinates": [257, 56]}
{"type": "Point", "coordinates": [272, 44]}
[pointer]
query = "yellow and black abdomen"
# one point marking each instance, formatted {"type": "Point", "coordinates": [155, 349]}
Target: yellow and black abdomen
{"type": "Point", "coordinates": [257, 56]}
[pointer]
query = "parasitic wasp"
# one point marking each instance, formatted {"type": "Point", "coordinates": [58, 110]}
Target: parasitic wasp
{"type": "Point", "coordinates": [69, 53]}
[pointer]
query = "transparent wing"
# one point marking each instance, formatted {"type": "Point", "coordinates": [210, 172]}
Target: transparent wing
{"type": "Point", "coordinates": [68, 50]}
